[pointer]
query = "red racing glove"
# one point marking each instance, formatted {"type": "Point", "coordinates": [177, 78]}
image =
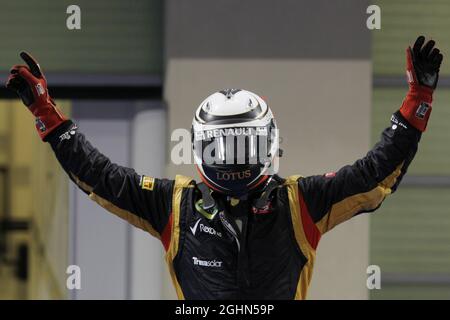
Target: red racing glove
{"type": "Point", "coordinates": [422, 72]}
{"type": "Point", "coordinates": [30, 85]}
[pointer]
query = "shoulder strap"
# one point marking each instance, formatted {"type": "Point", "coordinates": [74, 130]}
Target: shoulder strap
{"type": "Point", "coordinates": [263, 201]}
{"type": "Point", "coordinates": [181, 182]}
{"type": "Point", "coordinates": [292, 179]}
{"type": "Point", "coordinates": [208, 201]}
{"type": "Point", "coordinates": [302, 225]}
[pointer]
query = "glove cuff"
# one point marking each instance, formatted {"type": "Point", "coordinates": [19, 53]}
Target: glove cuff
{"type": "Point", "coordinates": [416, 108]}
{"type": "Point", "coordinates": [48, 118]}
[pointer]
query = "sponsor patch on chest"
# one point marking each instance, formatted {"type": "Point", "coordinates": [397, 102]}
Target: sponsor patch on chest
{"type": "Point", "coordinates": [199, 227]}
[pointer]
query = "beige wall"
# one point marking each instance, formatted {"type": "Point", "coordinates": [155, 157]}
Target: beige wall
{"type": "Point", "coordinates": [50, 236]}
{"type": "Point", "coordinates": [323, 111]}
{"type": "Point", "coordinates": [34, 169]}
{"type": "Point", "coordinates": [5, 119]}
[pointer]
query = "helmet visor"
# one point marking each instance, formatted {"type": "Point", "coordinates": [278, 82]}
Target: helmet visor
{"type": "Point", "coordinates": [235, 145]}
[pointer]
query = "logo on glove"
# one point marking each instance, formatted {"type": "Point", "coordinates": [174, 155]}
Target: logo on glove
{"type": "Point", "coordinates": [422, 110]}
{"type": "Point", "coordinates": [40, 125]}
{"type": "Point", "coordinates": [40, 89]}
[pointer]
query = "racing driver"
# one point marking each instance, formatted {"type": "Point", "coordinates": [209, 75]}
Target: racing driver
{"type": "Point", "coordinates": [243, 232]}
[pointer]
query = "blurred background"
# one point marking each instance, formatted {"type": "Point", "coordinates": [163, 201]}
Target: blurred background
{"type": "Point", "coordinates": [137, 69]}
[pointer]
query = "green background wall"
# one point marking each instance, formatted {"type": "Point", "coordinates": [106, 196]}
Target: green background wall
{"type": "Point", "coordinates": [116, 36]}
{"type": "Point", "coordinates": [410, 234]}
{"type": "Point", "coordinates": [401, 22]}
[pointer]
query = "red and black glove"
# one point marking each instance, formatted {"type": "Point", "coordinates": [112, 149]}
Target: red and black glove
{"type": "Point", "coordinates": [30, 85]}
{"type": "Point", "coordinates": [422, 71]}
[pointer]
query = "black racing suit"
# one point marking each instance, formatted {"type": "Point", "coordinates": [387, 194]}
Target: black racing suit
{"type": "Point", "coordinates": [271, 254]}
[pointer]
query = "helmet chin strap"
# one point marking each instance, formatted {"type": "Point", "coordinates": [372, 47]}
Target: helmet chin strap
{"type": "Point", "coordinates": [208, 201]}
{"type": "Point", "coordinates": [261, 203]}
{"type": "Point", "coordinates": [259, 189]}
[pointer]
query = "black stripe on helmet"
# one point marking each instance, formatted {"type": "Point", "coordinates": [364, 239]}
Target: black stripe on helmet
{"type": "Point", "coordinates": [251, 115]}
{"type": "Point", "coordinates": [229, 93]}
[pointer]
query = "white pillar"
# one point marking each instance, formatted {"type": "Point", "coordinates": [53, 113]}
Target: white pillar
{"type": "Point", "coordinates": [148, 151]}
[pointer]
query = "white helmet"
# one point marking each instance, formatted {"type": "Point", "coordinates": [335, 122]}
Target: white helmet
{"type": "Point", "coordinates": [235, 142]}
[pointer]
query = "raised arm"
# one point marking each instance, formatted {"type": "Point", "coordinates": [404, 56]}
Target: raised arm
{"type": "Point", "coordinates": [334, 198]}
{"type": "Point", "coordinates": [141, 200]}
